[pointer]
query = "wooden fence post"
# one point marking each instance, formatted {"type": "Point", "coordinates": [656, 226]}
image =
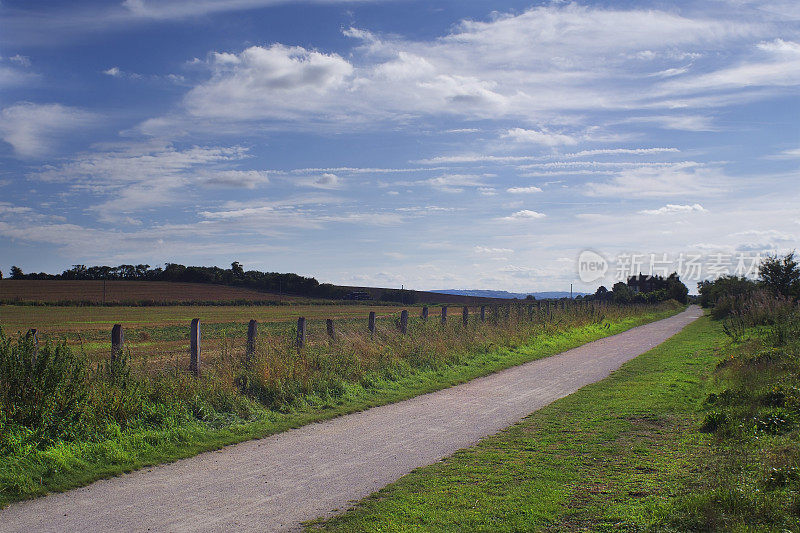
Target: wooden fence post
{"type": "Point", "coordinates": [483, 313]}
{"type": "Point", "coordinates": [371, 322]}
{"type": "Point", "coordinates": [194, 347]}
{"type": "Point", "coordinates": [465, 316]}
{"type": "Point", "coordinates": [444, 315]}
{"type": "Point", "coordinates": [330, 328]}
{"type": "Point", "coordinates": [252, 332]}
{"type": "Point", "coordinates": [403, 321]}
{"type": "Point", "coordinates": [424, 313]}
{"type": "Point", "coordinates": [301, 332]}
{"type": "Point", "coordinates": [117, 341]}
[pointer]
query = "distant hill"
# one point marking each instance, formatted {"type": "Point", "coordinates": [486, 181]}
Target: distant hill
{"type": "Point", "coordinates": [509, 295]}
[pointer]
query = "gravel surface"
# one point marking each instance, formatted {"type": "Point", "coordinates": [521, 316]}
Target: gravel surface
{"type": "Point", "coordinates": [273, 484]}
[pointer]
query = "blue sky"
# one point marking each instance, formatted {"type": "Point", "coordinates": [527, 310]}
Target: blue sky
{"type": "Point", "coordinates": [458, 144]}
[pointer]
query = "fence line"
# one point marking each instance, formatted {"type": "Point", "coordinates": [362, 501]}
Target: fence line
{"type": "Point", "coordinates": [524, 312]}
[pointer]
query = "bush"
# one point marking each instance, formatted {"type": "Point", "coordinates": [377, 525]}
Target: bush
{"type": "Point", "coordinates": [43, 389]}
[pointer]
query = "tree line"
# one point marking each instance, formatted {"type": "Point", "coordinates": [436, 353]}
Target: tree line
{"type": "Point", "coordinates": [661, 289]}
{"type": "Point", "coordinates": [235, 275]}
{"type": "Point", "coordinates": [778, 277]}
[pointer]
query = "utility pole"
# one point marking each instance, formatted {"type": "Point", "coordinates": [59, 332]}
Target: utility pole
{"type": "Point", "coordinates": [570, 291]}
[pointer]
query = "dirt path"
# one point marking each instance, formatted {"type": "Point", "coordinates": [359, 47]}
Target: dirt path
{"type": "Point", "coordinates": [277, 482]}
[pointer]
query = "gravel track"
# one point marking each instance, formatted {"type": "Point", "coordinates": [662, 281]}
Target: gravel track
{"type": "Point", "coordinates": [273, 484]}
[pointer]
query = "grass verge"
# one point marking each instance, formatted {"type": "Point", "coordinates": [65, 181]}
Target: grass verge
{"type": "Point", "coordinates": [616, 455]}
{"type": "Point", "coordinates": [27, 471]}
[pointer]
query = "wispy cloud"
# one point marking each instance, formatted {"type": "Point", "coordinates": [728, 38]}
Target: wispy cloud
{"type": "Point", "coordinates": [675, 181]}
{"type": "Point", "coordinates": [523, 190]}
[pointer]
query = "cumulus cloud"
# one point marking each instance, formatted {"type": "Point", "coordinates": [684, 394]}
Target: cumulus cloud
{"type": "Point", "coordinates": [274, 82]}
{"type": "Point", "coordinates": [674, 208]}
{"type": "Point", "coordinates": [34, 130]}
{"type": "Point", "coordinates": [326, 181]}
{"type": "Point", "coordinates": [525, 214]}
{"type": "Point", "coordinates": [546, 60]}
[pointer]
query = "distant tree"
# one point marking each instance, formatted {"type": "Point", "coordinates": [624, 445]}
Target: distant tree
{"type": "Point", "coordinates": [601, 293]}
{"type": "Point", "coordinates": [237, 270]}
{"type": "Point", "coordinates": [16, 273]}
{"type": "Point", "coordinates": [781, 275]}
{"type": "Point", "coordinates": [530, 297]}
{"type": "Point", "coordinates": [621, 293]}
{"type": "Point", "coordinates": [676, 290]}
{"type": "Point", "coordinates": [724, 286]}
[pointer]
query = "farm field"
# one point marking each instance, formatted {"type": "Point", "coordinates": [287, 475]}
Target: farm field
{"type": "Point", "coordinates": [162, 332]}
{"type": "Point", "coordinates": [54, 291]}
{"type": "Point", "coordinates": [169, 292]}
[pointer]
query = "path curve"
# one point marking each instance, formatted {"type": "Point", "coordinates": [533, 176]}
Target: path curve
{"type": "Point", "coordinates": [279, 481]}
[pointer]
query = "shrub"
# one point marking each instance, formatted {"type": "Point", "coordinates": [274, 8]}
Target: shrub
{"type": "Point", "coordinates": [41, 389]}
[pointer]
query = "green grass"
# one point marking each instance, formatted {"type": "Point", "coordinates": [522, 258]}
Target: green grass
{"type": "Point", "coordinates": [27, 471]}
{"type": "Point", "coordinates": [614, 456]}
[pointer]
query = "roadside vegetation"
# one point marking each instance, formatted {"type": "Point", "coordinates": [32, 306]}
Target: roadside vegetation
{"type": "Point", "coordinates": [699, 434]}
{"type": "Point", "coordinates": [67, 419]}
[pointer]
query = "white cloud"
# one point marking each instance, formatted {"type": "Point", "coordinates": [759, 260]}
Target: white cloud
{"type": "Point", "coordinates": [247, 179]}
{"type": "Point", "coordinates": [326, 181]}
{"type": "Point", "coordinates": [178, 9]}
{"type": "Point", "coordinates": [455, 182]}
{"type": "Point", "coordinates": [14, 71]}
{"type": "Point", "coordinates": [523, 190]}
{"type": "Point", "coordinates": [491, 251]}
{"type": "Point", "coordinates": [135, 176]}
{"type": "Point", "coordinates": [113, 72]}
{"type": "Point", "coordinates": [678, 122]}
{"type": "Point", "coordinates": [34, 130]}
{"type": "Point", "coordinates": [544, 137]}
{"type": "Point", "coordinates": [548, 60]}
{"type": "Point", "coordinates": [511, 159]}
{"type": "Point", "coordinates": [677, 180]}
{"type": "Point", "coordinates": [525, 214]}
{"type": "Point", "coordinates": [778, 66]}
{"type": "Point", "coordinates": [792, 153]}
{"type": "Point", "coordinates": [275, 82]}
{"type": "Point", "coordinates": [21, 60]}
{"type": "Point", "coordinates": [674, 208]}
